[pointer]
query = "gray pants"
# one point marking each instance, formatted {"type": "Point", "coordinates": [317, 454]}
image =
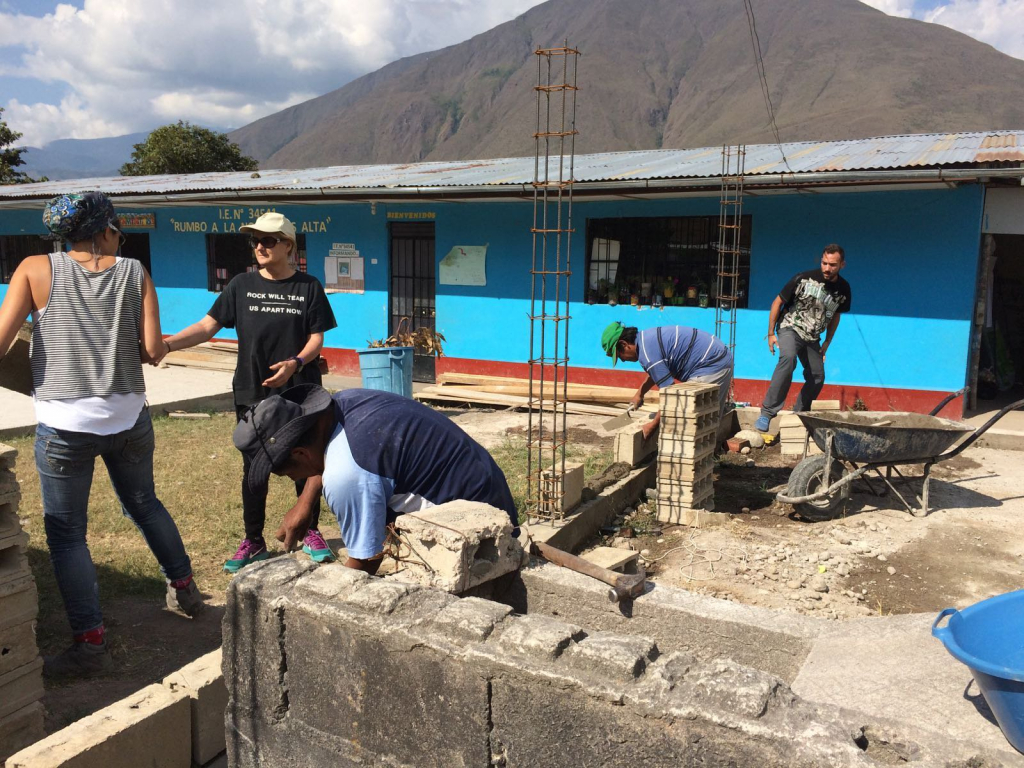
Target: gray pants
{"type": "Point", "coordinates": [791, 349]}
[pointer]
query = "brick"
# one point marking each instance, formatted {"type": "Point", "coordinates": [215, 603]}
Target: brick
{"type": "Point", "coordinates": [10, 523]}
{"type": "Point", "coordinates": [17, 646]}
{"type": "Point", "coordinates": [685, 471]}
{"type": "Point", "coordinates": [623, 658]}
{"type": "Point", "coordinates": [683, 492]}
{"type": "Point", "coordinates": [459, 545]}
{"type": "Point", "coordinates": [13, 563]}
{"type": "Point", "coordinates": [472, 618]}
{"type": "Point", "coordinates": [631, 447]}
{"type": "Point", "coordinates": [203, 682]}
{"type": "Point", "coordinates": [332, 580]}
{"type": "Point", "coordinates": [694, 518]}
{"type": "Point", "coordinates": [736, 445]}
{"type": "Point", "coordinates": [690, 398]}
{"type": "Point", "coordinates": [686, 448]}
{"type": "Point", "coordinates": [148, 728]}
{"type": "Point", "coordinates": [571, 482]}
{"type": "Point", "coordinates": [19, 601]}
{"type": "Point", "coordinates": [19, 729]}
{"type": "Point", "coordinates": [21, 687]}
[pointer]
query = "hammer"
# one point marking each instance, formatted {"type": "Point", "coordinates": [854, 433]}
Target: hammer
{"type": "Point", "coordinates": [623, 585]}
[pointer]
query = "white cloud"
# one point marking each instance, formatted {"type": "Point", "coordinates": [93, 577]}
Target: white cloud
{"type": "Point", "coordinates": [904, 8]}
{"type": "Point", "coordinates": [130, 65]}
{"type": "Point", "coordinates": [1000, 23]}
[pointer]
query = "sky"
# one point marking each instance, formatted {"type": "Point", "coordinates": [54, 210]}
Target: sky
{"type": "Point", "coordinates": [94, 68]}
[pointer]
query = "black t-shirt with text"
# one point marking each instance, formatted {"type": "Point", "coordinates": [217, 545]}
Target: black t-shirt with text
{"type": "Point", "coordinates": [273, 320]}
{"type": "Point", "coordinates": [811, 302]}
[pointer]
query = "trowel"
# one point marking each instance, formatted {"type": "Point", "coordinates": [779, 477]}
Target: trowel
{"type": "Point", "coordinates": [620, 421]}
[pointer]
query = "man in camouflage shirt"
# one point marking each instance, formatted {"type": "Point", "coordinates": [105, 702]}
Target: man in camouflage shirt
{"type": "Point", "coordinates": [808, 304]}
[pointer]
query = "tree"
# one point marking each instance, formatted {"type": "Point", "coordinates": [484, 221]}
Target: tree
{"type": "Point", "coordinates": [186, 148]}
{"type": "Point", "coordinates": [10, 158]}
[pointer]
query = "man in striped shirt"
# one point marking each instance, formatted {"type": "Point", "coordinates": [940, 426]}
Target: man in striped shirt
{"type": "Point", "coordinates": [669, 354]}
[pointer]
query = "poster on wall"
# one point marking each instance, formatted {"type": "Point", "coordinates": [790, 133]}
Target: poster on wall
{"type": "Point", "coordinates": [343, 270]}
{"type": "Point", "coordinates": [464, 265]}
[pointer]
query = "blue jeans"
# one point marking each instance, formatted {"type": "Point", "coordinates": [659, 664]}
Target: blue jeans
{"type": "Point", "coordinates": [65, 461]}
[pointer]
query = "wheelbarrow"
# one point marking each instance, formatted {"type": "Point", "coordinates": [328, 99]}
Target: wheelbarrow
{"type": "Point", "coordinates": [856, 443]}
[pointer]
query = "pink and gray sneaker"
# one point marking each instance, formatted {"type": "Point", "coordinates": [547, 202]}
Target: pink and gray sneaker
{"type": "Point", "coordinates": [317, 548]}
{"type": "Point", "coordinates": [249, 551]}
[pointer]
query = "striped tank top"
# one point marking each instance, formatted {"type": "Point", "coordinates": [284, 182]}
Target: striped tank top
{"type": "Point", "coordinates": [86, 343]}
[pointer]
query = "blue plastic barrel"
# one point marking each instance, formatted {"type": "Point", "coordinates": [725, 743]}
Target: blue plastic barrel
{"type": "Point", "coordinates": [989, 638]}
{"type": "Point", "coordinates": [388, 369]}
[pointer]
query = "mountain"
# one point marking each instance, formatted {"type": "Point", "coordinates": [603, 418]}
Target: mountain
{"type": "Point", "coordinates": [657, 73]}
{"type": "Point", "coordinates": [81, 158]}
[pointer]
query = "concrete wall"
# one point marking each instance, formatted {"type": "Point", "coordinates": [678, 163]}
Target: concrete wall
{"type": "Point", "coordinates": [912, 259]}
{"type": "Point", "coordinates": [327, 666]}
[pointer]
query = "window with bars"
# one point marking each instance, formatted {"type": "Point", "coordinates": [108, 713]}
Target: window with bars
{"type": "Point", "coordinates": [659, 261]}
{"type": "Point", "coordinates": [14, 249]}
{"type": "Point", "coordinates": [230, 255]}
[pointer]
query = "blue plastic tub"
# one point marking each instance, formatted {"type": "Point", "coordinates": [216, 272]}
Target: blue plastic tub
{"type": "Point", "coordinates": [989, 638]}
{"type": "Point", "coordinates": [388, 369]}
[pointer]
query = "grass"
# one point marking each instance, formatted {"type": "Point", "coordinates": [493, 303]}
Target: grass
{"type": "Point", "coordinates": [198, 475]}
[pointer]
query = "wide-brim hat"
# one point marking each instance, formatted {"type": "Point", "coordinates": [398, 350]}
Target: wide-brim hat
{"type": "Point", "coordinates": [271, 223]}
{"type": "Point", "coordinates": [269, 431]}
{"type": "Point", "coordinates": [610, 340]}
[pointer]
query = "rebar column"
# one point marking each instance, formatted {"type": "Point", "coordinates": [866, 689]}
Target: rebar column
{"type": "Point", "coordinates": [730, 225]}
{"type": "Point", "coordinates": [550, 270]}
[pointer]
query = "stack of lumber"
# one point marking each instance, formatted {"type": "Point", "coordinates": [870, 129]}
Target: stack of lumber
{"type": "Point", "coordinates": [792, 433]}
{"type": "Point", "coordinates": [686, 444]}
{"type": "Point", "coordinates": [212, 356]}
{"type": "Point", "coordinates": [505, 392]}
{"type": "Point", "coordinates": [21, 680]}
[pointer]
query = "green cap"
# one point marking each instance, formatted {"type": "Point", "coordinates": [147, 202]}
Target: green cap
{"type": "Point", "coordinates": [610, 340]}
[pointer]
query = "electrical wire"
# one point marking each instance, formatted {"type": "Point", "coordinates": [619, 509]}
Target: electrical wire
{"type": "Point", "coordinates": [762, 76]}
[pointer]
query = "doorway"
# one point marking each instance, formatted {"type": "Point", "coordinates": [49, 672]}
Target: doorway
{"type": "Point", "coordinates": [412, 293]}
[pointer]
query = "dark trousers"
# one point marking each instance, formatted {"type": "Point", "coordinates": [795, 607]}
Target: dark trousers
{"type": "Point", "coordinates": [791, 349]}
{"type": "Point", "coordinates": [254, 506]}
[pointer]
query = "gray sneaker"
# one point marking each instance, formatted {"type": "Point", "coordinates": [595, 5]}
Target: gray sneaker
{"type": "Point", "coordinates": [187, 601]}
{"type": "Point", "coordinates": [80, 660]}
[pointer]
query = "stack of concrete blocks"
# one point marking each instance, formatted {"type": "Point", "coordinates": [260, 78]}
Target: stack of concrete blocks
{"type": "Point", "coordinates": [175, 724]}
{"type": "Point", "coordinates": [686, 444]}
{"type": "Point", "coordinates": [458, 546]}
{"type": "Point", "coordinates": [21, 681]}
{"type": "Point", "coordinates": [793, 434]}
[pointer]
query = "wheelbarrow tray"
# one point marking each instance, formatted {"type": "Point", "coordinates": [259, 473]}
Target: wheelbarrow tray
{"type": "Point", "coordinates": [900, 438]}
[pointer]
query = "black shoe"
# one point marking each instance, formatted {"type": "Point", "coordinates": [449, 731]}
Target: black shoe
{"type": "Point", "coordinates": [79, 660]}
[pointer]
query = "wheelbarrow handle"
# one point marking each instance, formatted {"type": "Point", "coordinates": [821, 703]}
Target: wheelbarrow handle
{"type": "Point", "coordinates": [940, 632]}
{"type": "Point", "coordinates": [979, 432]}
{"type": "Point", "coordinates": [940, 406]}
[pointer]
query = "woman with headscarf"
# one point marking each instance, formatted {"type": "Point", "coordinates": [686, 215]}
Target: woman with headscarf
{"type": "Point", "coordinates": [280, 316]}
{"type": "Point", "coordinates": [95, 321]}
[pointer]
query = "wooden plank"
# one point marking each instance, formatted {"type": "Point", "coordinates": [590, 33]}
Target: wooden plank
{"type": "Point", "coordinates": [210, 365]}
{"type": "Point", "coordinates": [466, 395]}
{"type": "Point", "coordinates": [450, 378]}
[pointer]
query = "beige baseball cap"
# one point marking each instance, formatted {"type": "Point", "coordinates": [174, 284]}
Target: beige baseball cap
{"type": "Point", "coordinates": [271, 223]}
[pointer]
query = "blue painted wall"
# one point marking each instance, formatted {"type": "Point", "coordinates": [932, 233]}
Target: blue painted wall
{"type": "Point", "coordinates": [911, 261]}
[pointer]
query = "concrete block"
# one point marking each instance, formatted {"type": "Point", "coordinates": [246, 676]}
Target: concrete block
{"type": "Point", "coordinates": [17, 645]}
{"type": "Point", "coordinates": [10, 523]}
{"type": "Point", "coordinates": [540, 637]}
{"type": "Point", "coordinates": [221, 761]}
{"type": "Point", "coordinates": [687, 426]}
{"type": "Point", "coordinates": [621, 657]}
{"type": "Point", "coordinates": [332, 580]}
{"type": "Point", "coordinates": [459, 545]}
{"type": "Point", "coordinates": [8, 456]}
{"type": "Point", "coordinates": [685, 470]}
{"type": "Point", "coordinates": [148, 728]}
{"type": "Point", "coordinates": [689, 397]}
{"type": "Point", "coordinates": [685, 494]}
{"type": "Point", "coordinates": [631, 447]}
{"type": "Point", "coordinates": [612, 558]}
{"type": "Point", "coordinates": [565, 491]}
{"type": "Point", "coordinates": [689, 516]}
{"type": "Point", "coordinates": [670, 448]}
{"type": "Point", "coordinates": [203, 682]}
{"type": "Point", "coordinates": [471, 619]}
{"type": "Point", "coordinates": [21, 687]}
{"type": "Point", "coordinates": [19, 729]}
{"type": "Point", "coordinates": [19, 601]}
{"type": "Point", "coordinates": [10, 489]}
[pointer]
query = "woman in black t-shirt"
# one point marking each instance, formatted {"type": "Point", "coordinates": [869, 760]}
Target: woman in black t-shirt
{"type": "Point", "coordinates": [280, 316]}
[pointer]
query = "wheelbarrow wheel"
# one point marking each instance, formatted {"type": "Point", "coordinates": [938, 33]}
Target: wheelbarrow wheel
{"type": "Point", "coordinates": [808, 478]}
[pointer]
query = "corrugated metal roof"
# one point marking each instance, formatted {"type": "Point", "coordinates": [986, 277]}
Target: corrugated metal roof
{"type": "Point", "coordinates": [881, 153]}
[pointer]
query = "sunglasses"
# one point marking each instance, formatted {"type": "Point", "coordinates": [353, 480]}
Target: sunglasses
{"type": "Point", "coordinates": [268, 241]}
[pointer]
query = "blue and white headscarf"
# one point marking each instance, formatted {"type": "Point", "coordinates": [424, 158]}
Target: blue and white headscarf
{"type": "Point", "coordinates": [79, 216]}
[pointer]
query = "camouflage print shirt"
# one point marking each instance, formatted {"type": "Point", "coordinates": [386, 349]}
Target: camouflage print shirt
{"type": "Point", "coordinates": [810, 303]}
